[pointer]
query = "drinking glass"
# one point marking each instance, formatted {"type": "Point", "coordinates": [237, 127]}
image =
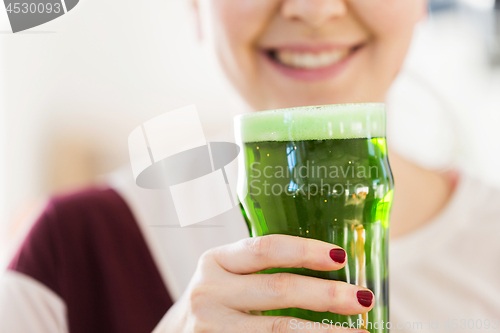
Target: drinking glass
{"type": "Point", "coordinates": [322, 172]}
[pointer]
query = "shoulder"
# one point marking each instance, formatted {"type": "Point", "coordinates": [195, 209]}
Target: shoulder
{"type": "Point", "coordinates": [90, 212]}
{"type": "Point", "coordinates": [72, 228]}
{"type": "Point", "coordinates": [87, 215]}
{"type": "Point", "coordinates": [88, 249]}
{"type": "Point", "coordinates": [482, 201]}
{"type": "Point", "coordinates": [476, 221]}
{"type": "Point", "coordinates": [88, 205]}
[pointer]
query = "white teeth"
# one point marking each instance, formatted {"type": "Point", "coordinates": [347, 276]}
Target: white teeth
{"type": "Point", "coordinates": [307, 60]}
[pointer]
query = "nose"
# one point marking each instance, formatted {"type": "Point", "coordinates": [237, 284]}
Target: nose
{"type": "Point", "coordinates": [313, 12]}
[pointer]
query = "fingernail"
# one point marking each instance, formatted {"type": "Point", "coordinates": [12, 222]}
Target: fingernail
{"type": "Point", "coordinates": [338, 255]}
{"type": "Point", "coordinates": [365, 298]}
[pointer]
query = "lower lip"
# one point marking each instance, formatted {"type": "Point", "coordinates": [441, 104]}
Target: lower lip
{"type": "Point", "coordinates": [317, 74]}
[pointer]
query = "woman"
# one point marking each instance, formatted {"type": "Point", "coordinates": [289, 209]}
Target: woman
{"type": "Point", "coordinates": [90, 264]}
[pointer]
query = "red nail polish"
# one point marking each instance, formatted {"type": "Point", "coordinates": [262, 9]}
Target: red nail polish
{"type": "Point", "coordinates": [338, 255]}
{"type": "Point", "coordinates": [365, 298]}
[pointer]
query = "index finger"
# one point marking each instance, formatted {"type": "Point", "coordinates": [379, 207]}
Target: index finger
{"type": "Point", "coordinates": [279, 251]}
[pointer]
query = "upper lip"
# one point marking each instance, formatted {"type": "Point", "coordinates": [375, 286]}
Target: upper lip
{"type": "Point", "coordinates": [312, 48]}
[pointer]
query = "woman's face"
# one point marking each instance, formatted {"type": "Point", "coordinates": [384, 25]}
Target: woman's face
{"type": "Point", "coordinates": [287, 53]}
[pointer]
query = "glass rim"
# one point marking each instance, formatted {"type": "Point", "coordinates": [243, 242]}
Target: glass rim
{"type": "Point", "coordinates": [325, 107]}
{"type": "Point", "coordinates": [336, 121]}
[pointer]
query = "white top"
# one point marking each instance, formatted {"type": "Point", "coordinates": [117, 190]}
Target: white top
{"type": "Point", "coordinates": [447, 270]}
{"type": "Point", "coordinates": [450, 268]}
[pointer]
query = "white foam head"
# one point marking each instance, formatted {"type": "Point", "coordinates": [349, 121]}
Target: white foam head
{"type": "Point", "coordinates": [341, 121]}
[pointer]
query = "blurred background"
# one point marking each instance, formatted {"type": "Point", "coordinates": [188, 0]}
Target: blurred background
{"type": "Point", "coordinates": [73, 89]}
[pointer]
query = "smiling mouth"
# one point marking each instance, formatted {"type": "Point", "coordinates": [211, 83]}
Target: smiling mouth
{"type": "Point", "coordinates": [307, 60]}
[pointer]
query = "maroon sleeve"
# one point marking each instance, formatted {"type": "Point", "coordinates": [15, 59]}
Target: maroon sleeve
{"type": "Point", "coordinates": [87, 247]}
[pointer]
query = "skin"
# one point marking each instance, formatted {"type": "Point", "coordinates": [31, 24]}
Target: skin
{"type": "Point", "coordinates": [222, 293]}
{"type": "Point", "coordinates": [245, 27]}
{"type": "Point", "coordinates": [219, 297]}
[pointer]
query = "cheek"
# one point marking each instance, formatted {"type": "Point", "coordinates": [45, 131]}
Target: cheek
{"type": "Point", "coordinates": [388, 18]}
{"type": "Point", "coordinates": [391, 24]}
{"type": "Point", "coordinates": [242, 21]}
{"type": "Point", "coordinates": [237, 26]}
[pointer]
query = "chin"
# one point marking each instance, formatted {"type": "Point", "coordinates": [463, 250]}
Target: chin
{"type": "Point", "coordinates": [327, 99]}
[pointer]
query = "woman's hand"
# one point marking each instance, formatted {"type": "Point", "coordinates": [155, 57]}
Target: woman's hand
{"type": "Point", "coordinates": [222, 291]}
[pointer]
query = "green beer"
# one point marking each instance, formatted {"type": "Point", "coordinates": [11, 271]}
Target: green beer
{"type": "Point", "coordinates": [322, 173]}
